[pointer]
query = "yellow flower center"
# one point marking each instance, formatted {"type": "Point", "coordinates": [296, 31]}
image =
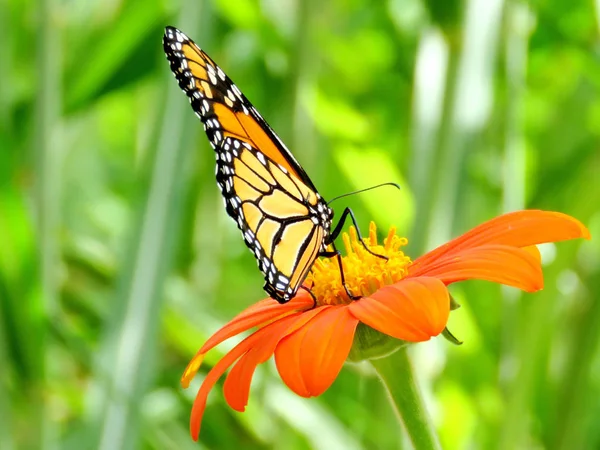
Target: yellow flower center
{"type": "Point", "coordinates": [364, 272]}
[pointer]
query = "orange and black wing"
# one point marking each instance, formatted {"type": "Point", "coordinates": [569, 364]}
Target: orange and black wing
{"type": "Point", "coordinates": [283, 219]}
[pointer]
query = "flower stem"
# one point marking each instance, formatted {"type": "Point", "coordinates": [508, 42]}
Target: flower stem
{"type": "Point", "coordinates": [395, 371]}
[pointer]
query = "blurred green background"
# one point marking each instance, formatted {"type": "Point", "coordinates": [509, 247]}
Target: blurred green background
{"type": "Point", "coordinates": [117, 259]}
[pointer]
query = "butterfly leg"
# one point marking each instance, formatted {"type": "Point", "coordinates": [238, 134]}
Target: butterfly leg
{"type": "Point", "coordinates": [311, 294]}
{"type": "Point", "coordinates": [340, 225]}
{"type": "Point", "coordinates": [338, 255]}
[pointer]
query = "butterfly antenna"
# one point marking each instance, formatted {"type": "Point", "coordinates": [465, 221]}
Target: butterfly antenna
{"type": "Point", "coordinates": [363, 190]}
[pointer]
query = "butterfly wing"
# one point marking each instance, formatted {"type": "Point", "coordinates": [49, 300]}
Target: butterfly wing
{"type": "Point", "coordinates": [282, 217]}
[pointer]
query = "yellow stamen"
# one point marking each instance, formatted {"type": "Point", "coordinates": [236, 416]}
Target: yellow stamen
{"type": "Point", "coordinates": [364, 272]}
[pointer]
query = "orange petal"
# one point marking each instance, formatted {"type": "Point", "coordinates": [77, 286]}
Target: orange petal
{"type": "Point", "coordinates": [288, 364]}
{"type": "Point", "coordinates": [213, 376]}
{"type": "Point", "coordinates": [535, 252]}
{"type": "Point", "coordinates": [237, 384]}
{"type": "Point", "coordinates": [498, 263]}
{"type": "Point", "coordinates": [517, 229]}
{"type": "Point", "coordinates": [258, 314]}
{"type": "Point", "coordinates": [310, 359]}
{"type": "Point", "coordinates": [254, 341]}
{"type": "Point", "coordinates": [190, 371]}
{"type": "Point", "coordinates": [414, 309]}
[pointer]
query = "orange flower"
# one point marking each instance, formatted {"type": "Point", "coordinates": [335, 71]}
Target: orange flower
{"type": "Point", "coordinates": [404, 299]}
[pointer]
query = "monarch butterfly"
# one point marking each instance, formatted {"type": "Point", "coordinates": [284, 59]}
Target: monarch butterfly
{"type": "Point", "coordinates": [283, 219]}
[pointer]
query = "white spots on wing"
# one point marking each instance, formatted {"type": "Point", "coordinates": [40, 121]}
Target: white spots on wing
{"type": "Point", "coordinates": [218, 136]}
{"type": "Point", "coordinates": [249, 236]}
{"type": "Point", "coordinates": [261, 158]}
{"type": "Point", "coordinates": [282, 278]}
{"type": "Point", "coordinates": [220, 73]}
{"type": "Point", "coordinates": [210, 70]}
{"type": "Point", "coordinates": [180, 37]}
{"type": "Point", "coordinates": [237, 91]}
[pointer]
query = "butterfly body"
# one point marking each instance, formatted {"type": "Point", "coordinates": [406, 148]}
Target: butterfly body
{"type": "Point", "coordinates": [283, 219]}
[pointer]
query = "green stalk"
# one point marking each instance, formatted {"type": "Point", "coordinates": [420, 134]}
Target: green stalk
{"type": "Point", "coordinates": [513, 188]}
{"type": "Point", "coordinates": [125, 366]}
{"type": "Point", "coordinates": [467, 115]}
{"type": "Point", "coordinates": [46, 151]}
{"type": "Point", "coordinates": [428, 142]}
{"type": "Point", "coordinates": [302, 135]}
{"type": "Point", "coordinates": [396, 373]}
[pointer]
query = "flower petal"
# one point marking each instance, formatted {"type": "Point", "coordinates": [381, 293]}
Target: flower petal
{"type": "Point", "coordinates": [414, 309]}
{"type": "Point", "coordinates": [497, 263]}
{"type": "Point", "coordinates": [237, 384]}
{"type": "Point", "coordinates": [517, 229]}
{"type": "Point", "coordinates": [262, 312]}
{"type": "Point", "coordinates": [535, 252]}
{"type": "Point", "coordinates": [288, 364]}
{"type": "Point", "coordinates": [192, 368]}
{"type": "Point", "coordinates": [310, 359]}
{"type": "Point", "coordinates": [213, 376]}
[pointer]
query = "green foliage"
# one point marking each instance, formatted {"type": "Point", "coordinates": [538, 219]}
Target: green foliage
{"type": "Point", "coordinates": [117, 259]}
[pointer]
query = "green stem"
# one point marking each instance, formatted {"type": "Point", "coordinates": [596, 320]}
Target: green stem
{"type": "Point", "coordinates": [395, 371]}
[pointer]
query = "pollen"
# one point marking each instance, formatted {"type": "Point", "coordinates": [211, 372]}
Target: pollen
{"type": "Point", "coordinates": [364, 272]}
